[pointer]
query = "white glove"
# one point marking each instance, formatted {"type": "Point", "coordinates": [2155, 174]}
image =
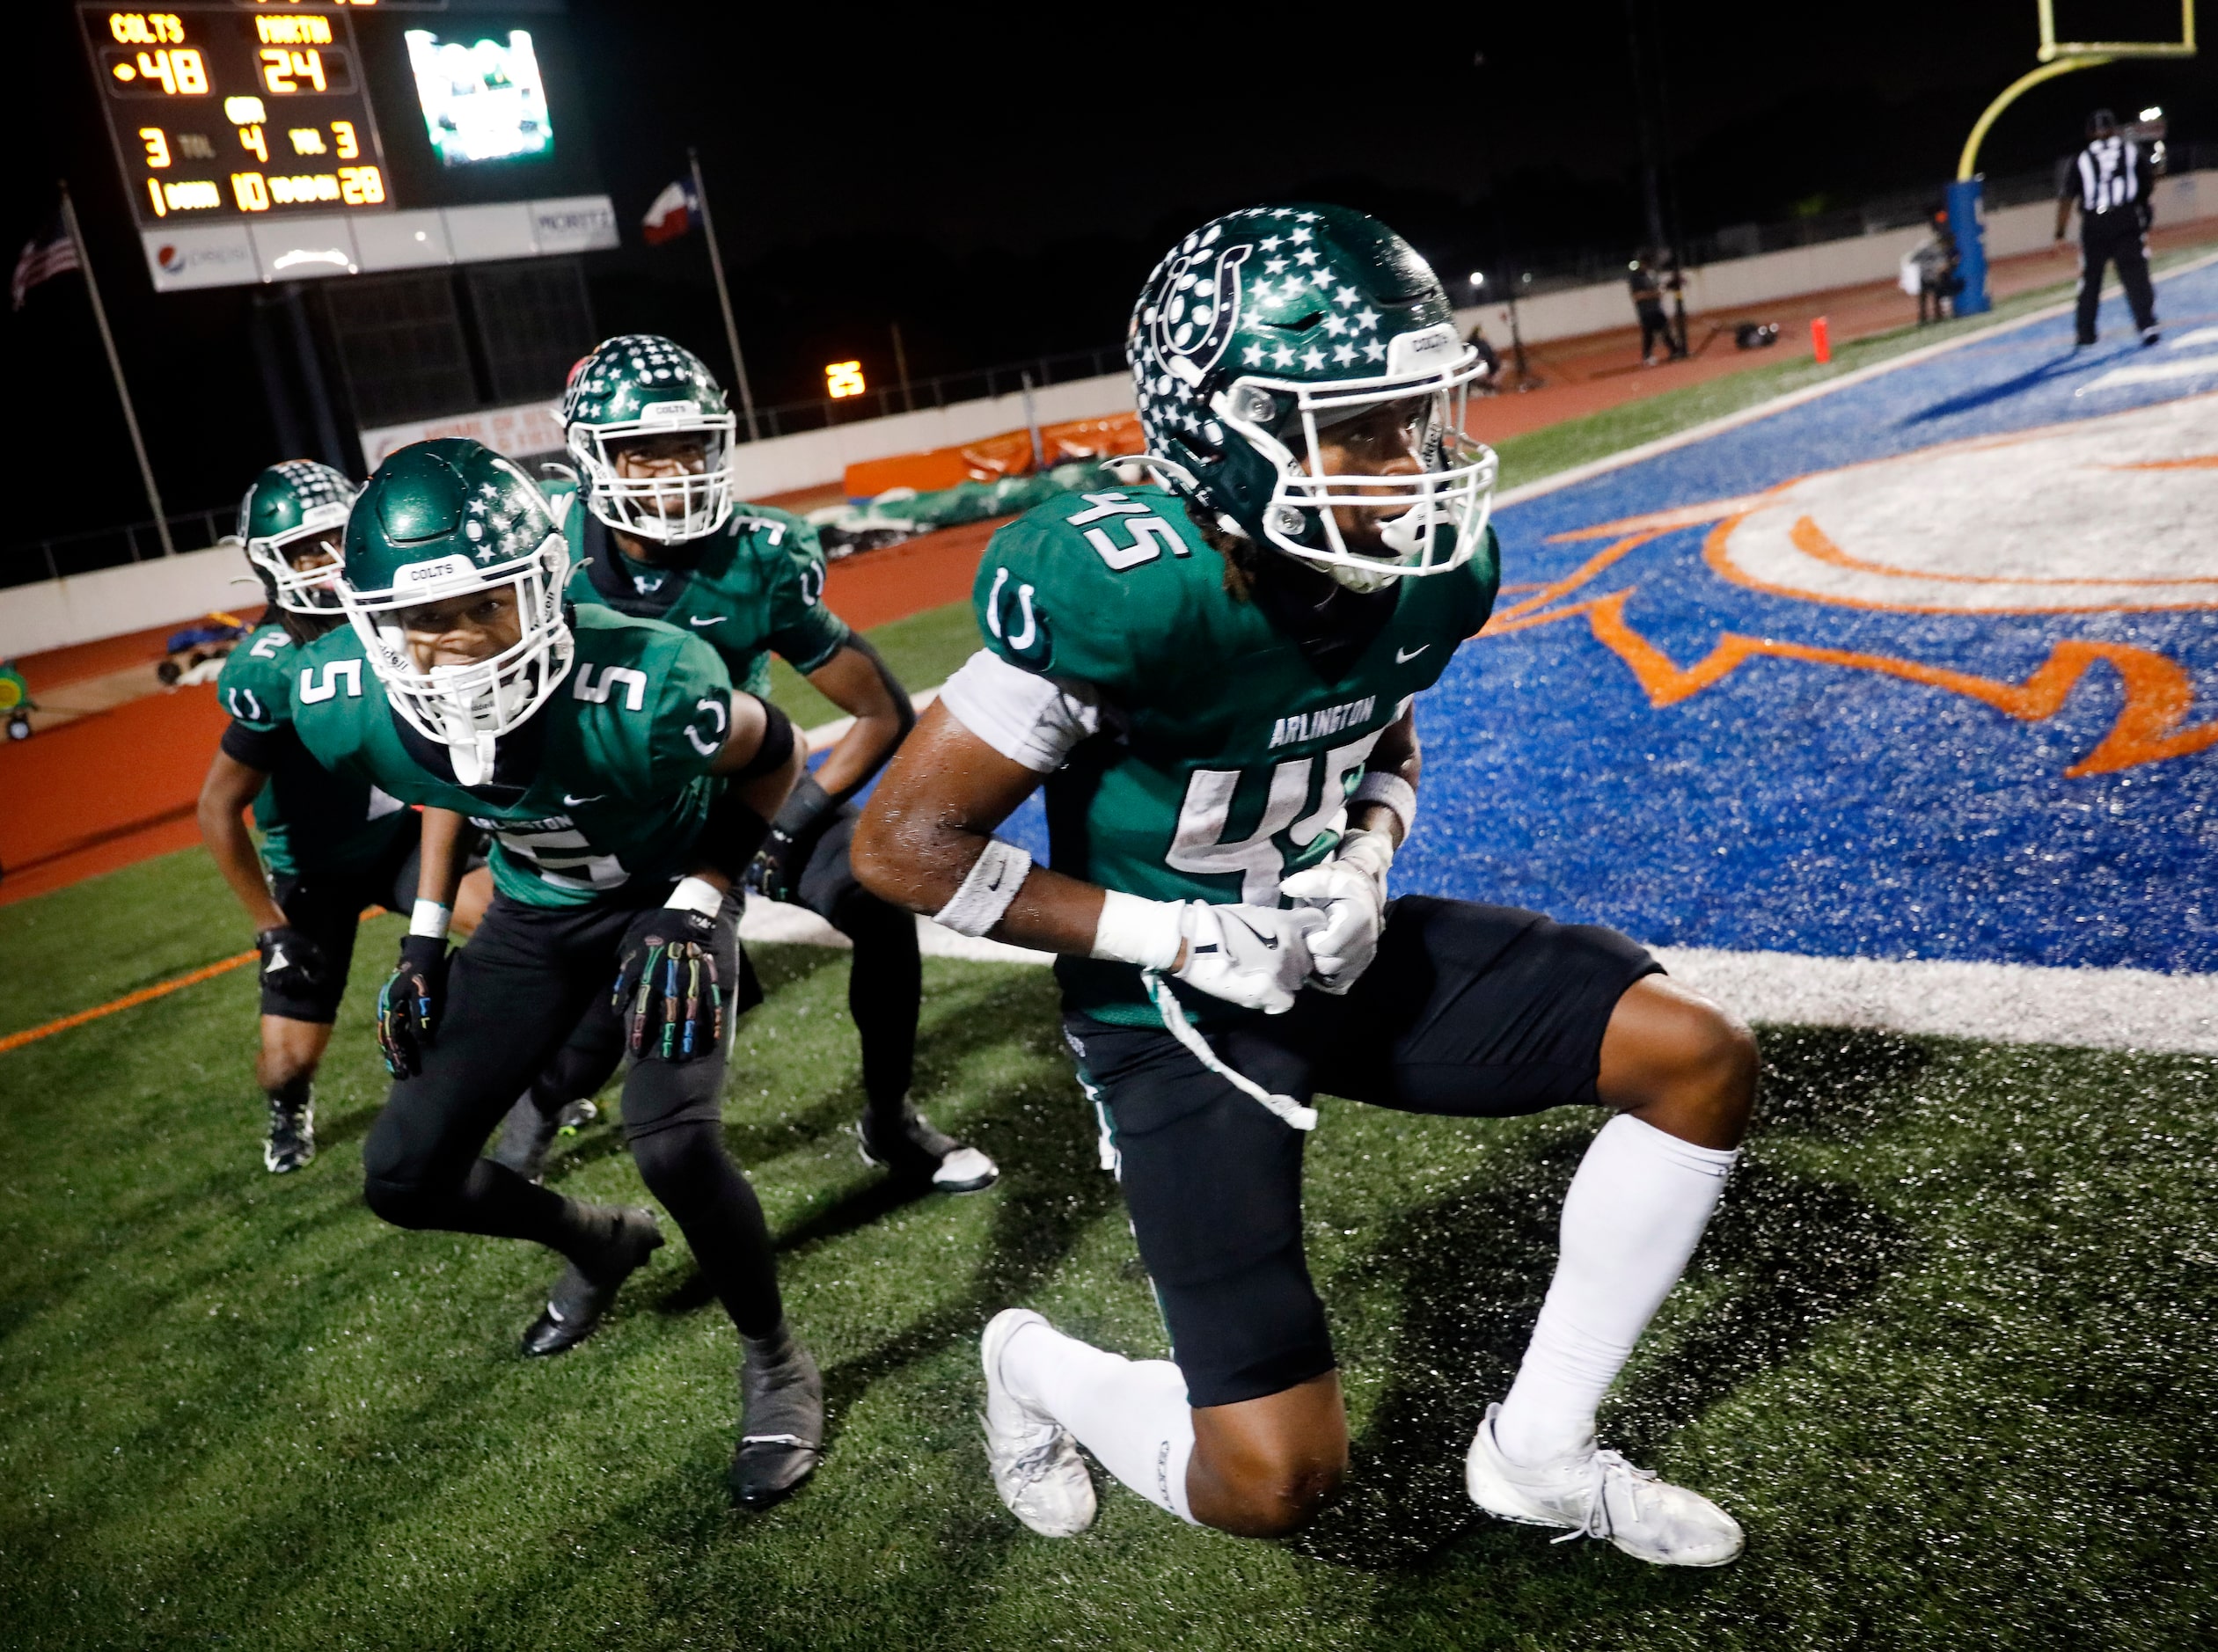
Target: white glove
{"type": "Point", "coordinates": [1348, 892]}
{"type": "Point", "coordinates": [1255, 956]}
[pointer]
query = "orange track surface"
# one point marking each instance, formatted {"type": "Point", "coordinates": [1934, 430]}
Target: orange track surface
{"type": "Point", "coordinates": [104, 791]}
{"type": "Point", "coordinates": [902, 579]}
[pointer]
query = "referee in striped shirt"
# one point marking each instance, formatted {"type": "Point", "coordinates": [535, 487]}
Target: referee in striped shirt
{"type": "Point", "coordinates": [2108, 181]}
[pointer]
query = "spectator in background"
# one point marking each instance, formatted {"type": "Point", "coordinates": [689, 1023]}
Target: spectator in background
{"type": "Point", "coordinates": [1930, 270]}
{"type": "Point", "coordinates": [1647, 304]}
{"type": "Point", "coordinates": [1491, 361]}
{"type": "Point", "coordinates": [2108, 181]}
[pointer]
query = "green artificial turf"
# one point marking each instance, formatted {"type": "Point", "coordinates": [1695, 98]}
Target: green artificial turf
{"type": "Point", "coordinates": [1946, 1352]}
{"type": "Point", "coordinates": [922, 650]}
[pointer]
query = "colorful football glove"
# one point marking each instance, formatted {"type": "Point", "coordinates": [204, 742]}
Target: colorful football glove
{"type": "Point", "coordinates": [668, 990]}
{"type": "Point", "coordinates": [410, 1003]}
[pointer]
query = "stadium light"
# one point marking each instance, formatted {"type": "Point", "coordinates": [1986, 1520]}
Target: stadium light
{"type": "Point", "coordinates": [843, 379]}
{"type": "Point", "coordinates": [2152, 114]}
{"type": "Point", "coordinates": [1478, 278]}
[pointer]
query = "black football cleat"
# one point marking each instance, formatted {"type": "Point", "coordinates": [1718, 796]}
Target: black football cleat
{"type": "Point", "coordinates": [291, 1142]}
{"type": "Point", "coordinates": [781, 1419]}
{"type": "Point", "coordinates": [913, 1150]}
{"type": "Point", "coordinates": [583, 1295]}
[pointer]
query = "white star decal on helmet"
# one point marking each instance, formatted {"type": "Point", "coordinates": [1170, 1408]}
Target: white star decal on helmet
{"type": "Point", "coordinates": [1366, 318]}
{"type": "Point", "coordinates": [1308, 255]}
{"type": "Point", "coordinates": [1300, 236]}
{"type": "Point", "coordinates": [1312, 358]}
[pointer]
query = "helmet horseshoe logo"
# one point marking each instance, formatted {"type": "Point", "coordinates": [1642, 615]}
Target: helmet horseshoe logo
{"type": "Point", "coordinates": [1191, 322]}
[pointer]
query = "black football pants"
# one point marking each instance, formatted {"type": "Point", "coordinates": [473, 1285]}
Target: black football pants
{"type": "Point", "coordinates": [525, 981]}
{"type": "Point", "coordinates": [2114, 237]}
{"type": "Point", "coordinates": [884, 987]}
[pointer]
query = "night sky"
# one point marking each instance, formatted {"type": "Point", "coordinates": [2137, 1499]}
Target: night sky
{"type": "Point", "coordinates": [998, 187]}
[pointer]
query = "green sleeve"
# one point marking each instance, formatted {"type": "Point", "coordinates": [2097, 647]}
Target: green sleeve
{"type": "Point", "coordinates": [803, 631]}
{"type": "Point", "coordinates": [1044, 601]}
{"type": "Point", "coordinates": [255, 685]}
{"type": "Point", "coordinates": [692, 712]}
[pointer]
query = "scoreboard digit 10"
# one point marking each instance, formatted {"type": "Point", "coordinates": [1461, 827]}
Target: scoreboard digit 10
{"type": "Point", "coordinates": [235, 112]}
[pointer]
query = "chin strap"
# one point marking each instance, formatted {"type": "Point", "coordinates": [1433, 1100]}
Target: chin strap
{"type": "Point", "coordinates": [1174, 1022]}
{"type": "Point", "coordinates": [472, 759]}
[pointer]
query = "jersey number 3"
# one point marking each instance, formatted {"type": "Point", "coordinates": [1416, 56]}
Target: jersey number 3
{"type": "Point", "coordinates": [1198, 843]}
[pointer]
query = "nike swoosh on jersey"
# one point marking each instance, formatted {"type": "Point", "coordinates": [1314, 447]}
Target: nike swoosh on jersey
{"type": "Point", "coordinates": [1400, 658]}
{"type": "Point", "coordinates": [572, 802]}
{"type": "Point", "coordinates": [713, 619]}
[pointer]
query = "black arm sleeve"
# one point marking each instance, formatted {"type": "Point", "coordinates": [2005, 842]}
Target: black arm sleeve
{"type": "Point", "coordinates": [262, 749]}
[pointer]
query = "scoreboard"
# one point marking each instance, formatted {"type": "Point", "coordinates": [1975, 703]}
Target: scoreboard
{"type": "Point", "coordinates": [274, 139]}
{"type": "Point", "coordinates": [230, 113]}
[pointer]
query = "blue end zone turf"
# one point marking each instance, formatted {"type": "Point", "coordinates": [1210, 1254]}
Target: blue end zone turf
{"type": "Point", "coordinates": [1954, 705]}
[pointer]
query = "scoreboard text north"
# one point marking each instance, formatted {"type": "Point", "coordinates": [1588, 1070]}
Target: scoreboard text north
{"type": "Point", "coordinates": [232, 112]}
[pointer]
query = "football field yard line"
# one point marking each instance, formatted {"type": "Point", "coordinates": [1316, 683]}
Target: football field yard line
{"type": "Point", "coordinates": [129, 1000]}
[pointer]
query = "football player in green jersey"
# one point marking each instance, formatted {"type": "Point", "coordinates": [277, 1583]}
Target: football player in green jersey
{"type": "Point", "coordinates": [661, 538]}
{"type": "Point", "coordinates": [1213, 678]}
{"type": "Point", "coordinates": [331, 845]}
{"type": "Point", "coordinates": [627, 785]}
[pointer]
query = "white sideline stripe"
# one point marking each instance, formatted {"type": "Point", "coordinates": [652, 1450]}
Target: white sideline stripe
{"type": "Point", "coordinates": [772, 921]}
{"type": "Point", "coordinates": [1997, 1004]}
{"type": "Point", "coordinates": [1579, 473]}
{"type": "Point", "coordinates": [2200, 335]}
{"type": "Point", "coordinates": [2152, 373]}
{"type": "Point", "coordinates": [824, 736]}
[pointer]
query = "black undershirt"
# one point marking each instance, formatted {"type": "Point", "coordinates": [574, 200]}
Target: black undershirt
{"type": "Point", "coordinates": [1331, 625]}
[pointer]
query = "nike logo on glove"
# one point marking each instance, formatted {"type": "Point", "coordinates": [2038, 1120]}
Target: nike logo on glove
{"type": "Point", "coordinates": [1269, 939]}
{"type": "Point", "coordinates": [572, 802]}
{"type": "Point", "coordinates": [1400, 658]}
{"type": "Point", "coordinates": [713, 619]}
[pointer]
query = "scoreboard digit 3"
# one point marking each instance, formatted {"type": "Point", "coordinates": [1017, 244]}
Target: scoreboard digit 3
{"type": "Point", "coordinates": [276, 140]}
{"type": "Point", "coordinates": [227, 112]}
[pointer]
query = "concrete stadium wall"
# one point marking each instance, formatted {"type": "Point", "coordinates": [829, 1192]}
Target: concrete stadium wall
{"type": "Point", "coordinates": [110, 601]}
{"type": "Point", "coordinates": [811, 458]}
{"type": "Point", "coordinates": [1742, 283]}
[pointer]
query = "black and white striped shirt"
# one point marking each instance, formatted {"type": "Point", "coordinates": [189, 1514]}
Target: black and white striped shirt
{"type": "Point", "coordinates": [2109, 175]}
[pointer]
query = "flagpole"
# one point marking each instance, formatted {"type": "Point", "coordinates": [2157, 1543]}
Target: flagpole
{"type": "Point", "coordinates": [723, 295]}
{"type": "Point", "coordinates": [115, 366]}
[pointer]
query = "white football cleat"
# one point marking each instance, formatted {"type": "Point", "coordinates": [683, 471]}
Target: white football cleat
{"type": "Point", "coordinates": [1037, 1467]}
{"type": "Point", "coordinates": [1600, 1494]}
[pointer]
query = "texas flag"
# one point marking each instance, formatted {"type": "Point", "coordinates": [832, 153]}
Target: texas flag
{"type": "Point", "coordinates": [673, 213]}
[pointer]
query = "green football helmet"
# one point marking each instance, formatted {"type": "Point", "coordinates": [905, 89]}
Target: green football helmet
{"type": "Point", "coordinates": [290, 508]}
{"type": "Point", "coordinates": [1268, 325]}
{"type": "Point", "coordinates": [444, 518]}
{"type": "Point", "coordinates": [642, 385]}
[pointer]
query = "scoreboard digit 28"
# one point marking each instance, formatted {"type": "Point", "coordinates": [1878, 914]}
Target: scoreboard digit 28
{"type": "Point", "coordinates": [237, 112]}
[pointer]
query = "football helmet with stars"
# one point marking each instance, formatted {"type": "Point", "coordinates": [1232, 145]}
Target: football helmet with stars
{"type": "Point", "coordinates": [636, 388]}
{"type": "Point", "coordinates": [1268, 325]}
{"type": "Point", "coordinates": [288, 510]}
{"type": "Point", "coordinates": [442, 519]}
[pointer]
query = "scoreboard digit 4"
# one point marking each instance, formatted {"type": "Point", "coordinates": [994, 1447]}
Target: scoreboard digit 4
{"type": "Point", "coordinates": [230, 112]}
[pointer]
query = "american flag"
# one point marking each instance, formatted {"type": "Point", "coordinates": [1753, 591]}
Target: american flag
{"type": "Point", "coordinates": [47, 253]}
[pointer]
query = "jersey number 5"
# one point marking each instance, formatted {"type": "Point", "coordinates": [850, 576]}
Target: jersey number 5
{"type": "Point", "coordinates": [1198, 843]}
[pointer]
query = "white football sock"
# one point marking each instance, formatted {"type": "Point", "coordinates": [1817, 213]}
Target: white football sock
{"type": "Point", "coordinates": [1634, 1214]}
{"type": "Point", "coordinates": [1132, 1415]}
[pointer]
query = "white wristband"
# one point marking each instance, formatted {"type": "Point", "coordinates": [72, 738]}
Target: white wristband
{"type": "Point", "coordinates": [1393, 791]}
{"type": "Point", "coordinates": [430, 918]}
{"type": "Point", "coordinates": [1136, 931]}
{"type": "Point", "coordinates": [986, 889]}
{"type": "Point", "coordinates": [696, 895]}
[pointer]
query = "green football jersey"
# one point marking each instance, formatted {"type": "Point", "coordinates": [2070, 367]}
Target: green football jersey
{"type": "Point", "coordinates": [312, 819]}
{"type": "Point", "coordinates": [612, 780]}
{"type": "Point", "coordinates": [754, 587]}
{"type": "Point", "coordinates": [1227, 758]}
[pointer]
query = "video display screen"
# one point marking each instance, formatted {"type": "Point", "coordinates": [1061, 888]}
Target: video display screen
{"type": "Point", "coordinates": [482, 96]}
